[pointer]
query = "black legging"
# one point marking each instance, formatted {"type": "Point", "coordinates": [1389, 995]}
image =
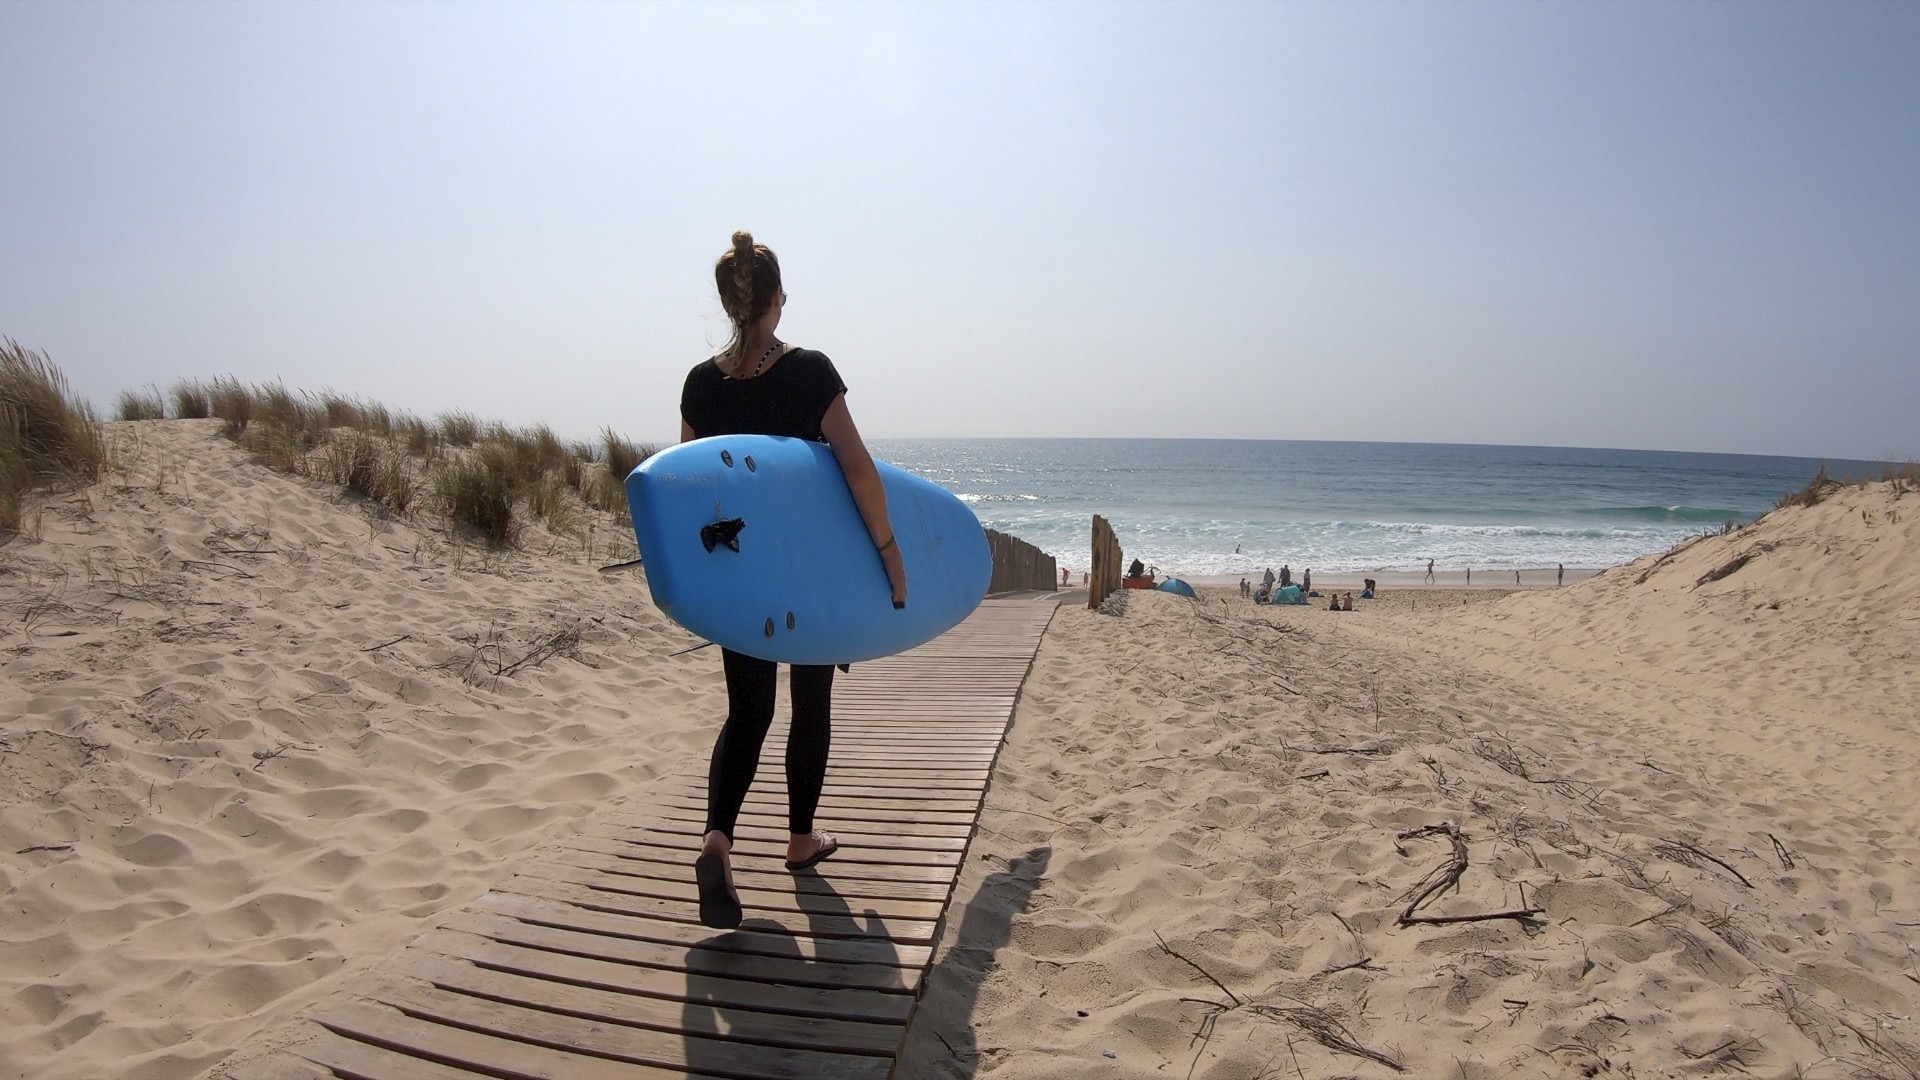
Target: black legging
{"type": "Point", "coordinates": [736, 756]}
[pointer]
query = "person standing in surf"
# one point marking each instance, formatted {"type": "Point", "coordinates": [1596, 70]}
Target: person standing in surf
{"type": "Point", "coordinates": [760, 385]}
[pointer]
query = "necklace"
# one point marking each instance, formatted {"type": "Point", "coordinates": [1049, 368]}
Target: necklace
{"type": "Point", "coordinates": [759, 364]}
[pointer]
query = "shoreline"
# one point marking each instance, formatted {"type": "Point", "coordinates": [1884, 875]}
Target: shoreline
{"type": "Point", "coordinates": [1535, 578]}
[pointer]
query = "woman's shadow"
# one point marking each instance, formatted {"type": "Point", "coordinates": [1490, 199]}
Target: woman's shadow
{"type": "Point", "coordinates": [755, 1001]}
{"type": "Point", "coordinates": [941, 1042]}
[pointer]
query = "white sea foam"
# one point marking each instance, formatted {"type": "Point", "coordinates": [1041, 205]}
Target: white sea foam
{"type": "Point", "coordinates": [1214, 507]}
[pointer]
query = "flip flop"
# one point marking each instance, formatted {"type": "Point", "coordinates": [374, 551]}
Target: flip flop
{"type": "Point", "coordinates": [813, 860]}
{"type": "Point", "coordinates": [719, 905]}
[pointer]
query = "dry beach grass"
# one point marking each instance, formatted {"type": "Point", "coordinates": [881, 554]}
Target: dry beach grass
{"type": "Point", "coordinates": [264, 721]}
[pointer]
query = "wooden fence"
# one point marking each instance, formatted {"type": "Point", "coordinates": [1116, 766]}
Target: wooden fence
{"type": "Point", "coordinates": [1019, 566]}
{"type": "Point", "coordinates": [1105, 578]}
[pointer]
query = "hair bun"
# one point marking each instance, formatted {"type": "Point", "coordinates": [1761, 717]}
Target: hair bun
{"type": "Point", "coordinates": [742, 243]}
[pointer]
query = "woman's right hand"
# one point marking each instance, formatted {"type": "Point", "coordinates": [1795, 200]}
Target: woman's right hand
{"type": "Point", "coordinates": [896, 565]}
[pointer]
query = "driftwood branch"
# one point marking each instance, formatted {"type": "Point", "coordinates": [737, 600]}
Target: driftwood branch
{"type": "Point", "coordinates": [1170, 951]}
{"type": "Point", "coordinates": [1446, 877]}
{"type": "Point", "coordinates": [1333, 749]}
{"type": "Point", "coordinates": [1680, 847]}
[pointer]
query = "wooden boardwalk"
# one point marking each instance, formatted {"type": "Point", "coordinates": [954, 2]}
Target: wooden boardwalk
{"type": "Point", "coordinates": [591, 962]}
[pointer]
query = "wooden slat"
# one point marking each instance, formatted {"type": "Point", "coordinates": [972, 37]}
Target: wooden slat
{"type": "Point", "coordinates": [851, 830]}
{"type": "Point", "coordinates": [588, 961]}
{"type": "Point", "coordinates": [604, 897]}
{"type": "Point", "coordinates": [680, 888]}
{"type": "Point", "coordinates": [648, 987]}
{"type": "Point", "coordinates": [352, 1058]}
{"type": "Point", "coordinates": [501, 930]}
{"type": "Point", "coordinates": [589, 853]}
{"type": "Point", "coordinates": [559, 912]}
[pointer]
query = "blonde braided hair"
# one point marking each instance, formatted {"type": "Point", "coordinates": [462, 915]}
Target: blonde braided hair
{"type": "Point", "coordinates": [748, 277]}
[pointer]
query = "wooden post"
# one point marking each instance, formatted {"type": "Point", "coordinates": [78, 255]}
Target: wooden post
{"type": "Point", "coordinates": [1104, 579]}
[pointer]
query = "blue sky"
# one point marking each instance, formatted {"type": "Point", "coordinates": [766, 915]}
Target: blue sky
{"type": "Point", "coordinates": [1667, 226]}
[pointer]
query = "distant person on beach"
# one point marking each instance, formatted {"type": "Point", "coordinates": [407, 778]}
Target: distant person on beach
{"type": "Point", "coordinates": [1516, 577]}
{"type": "Point", "coordinates": [1469, 575]}
{"type": "Point", "coordinates": [1245, 589]}
{"type": "Point", "coordinates": [760, 385]}
{"type": "Point", "coordinates": [1063, 577]}
{"type": "Point", "coordinates": [1346, 602]}
{"type": "Point", "coordinates": [1333, 602]}
{"type": "Point", "coordinates": [1268, 579]}
{"type": "Point", "coordinates": [1366, 593]}
{"type": "Point", "coordinates": [1286, 575]}
{"type": "Point", "coordinates": [1306, 580]}
{"type": "Point", "coordinates": [1561, 578]}
{"type": "Point", "coordinates": [1429, 571]}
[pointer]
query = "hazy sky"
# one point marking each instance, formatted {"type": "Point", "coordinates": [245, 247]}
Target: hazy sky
{"type": "Point", "coordinates": [1675, 226]}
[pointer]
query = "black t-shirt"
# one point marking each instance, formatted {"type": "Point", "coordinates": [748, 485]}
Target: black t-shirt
{"type": "Point", "coordinates": [790, 398]}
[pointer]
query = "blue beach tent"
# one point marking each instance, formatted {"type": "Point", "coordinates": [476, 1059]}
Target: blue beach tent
{"type": "Point", "coordinates": [1175, 585]}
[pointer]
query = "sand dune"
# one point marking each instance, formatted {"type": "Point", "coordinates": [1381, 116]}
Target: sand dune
{"type": "Point", "coordinates": [256, 737]}
{"type": "Point", "coordinates": [1195, 858]}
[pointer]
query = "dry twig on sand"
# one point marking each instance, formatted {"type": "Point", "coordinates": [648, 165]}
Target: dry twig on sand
{"type": "Point", "coordinates": [1507, 757]}
{"type": "Point", "coordinates": [1324, 1029]}
{"type": "Point", "coordinates": [1333, 749]}
{"type": "Point", "coordinates": [487, 659]}
{"type": "Point", "coordinates": [261, 757]}
{"type": "Point", "coordinates": [1689, 855]}
{"type": "Point", "coordinates": [1447, 876]}
{"type": "Point", "coordinates": [1322, 1026]}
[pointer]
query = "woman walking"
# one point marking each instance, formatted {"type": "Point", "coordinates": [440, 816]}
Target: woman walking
{"type": "Point", "coordinates": [760, 385]}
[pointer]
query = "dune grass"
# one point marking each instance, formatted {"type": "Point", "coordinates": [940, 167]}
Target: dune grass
{"type": "Point", "coordinates": [144, 404]}
{"type": "Point", "coordinates": [47, 435]}
{"type": "Point", "coordinates": [1817, 489]}
{"type": "Point", "coordinates": [1903, 476]}
{"type": "Point", "coordinates": [190, 401]}
{"type": "Point", "coordinates": [483, 477]}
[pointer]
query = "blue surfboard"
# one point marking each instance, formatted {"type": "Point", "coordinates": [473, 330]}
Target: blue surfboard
{"type": "Point", "coordinates": [754, 543]}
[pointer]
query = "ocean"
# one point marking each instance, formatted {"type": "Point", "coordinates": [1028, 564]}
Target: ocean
{"type": "Point", "coordinates": [1226, 508]}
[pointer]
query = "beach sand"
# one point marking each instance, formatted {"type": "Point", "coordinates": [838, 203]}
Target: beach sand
{"type": "Point", "coordinates": [1211, 818]}
{"type": "Point", "coordinates": [256, 738]}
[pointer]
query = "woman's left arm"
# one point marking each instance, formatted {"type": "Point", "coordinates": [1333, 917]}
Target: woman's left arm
{"type": "Point", "coordinates": [869, 495]}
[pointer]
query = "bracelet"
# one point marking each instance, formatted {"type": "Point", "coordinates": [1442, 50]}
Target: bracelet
{"type": "Point", "coordinates": [882, 549]}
